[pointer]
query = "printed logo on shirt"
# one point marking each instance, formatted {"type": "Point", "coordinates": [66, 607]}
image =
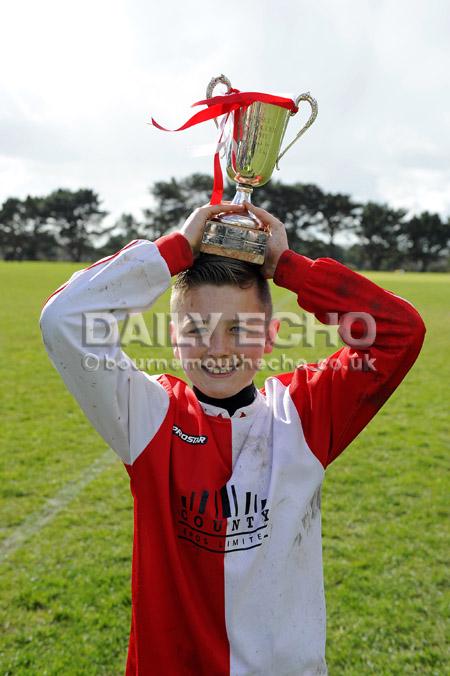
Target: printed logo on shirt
{"type": "Point", "coordinates": [189, 438]}
{"type": "Point", "coordinates": [219, 520]}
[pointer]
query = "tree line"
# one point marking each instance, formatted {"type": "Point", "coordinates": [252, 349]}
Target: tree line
{"type": "Point", "coordinates": [69, 225]}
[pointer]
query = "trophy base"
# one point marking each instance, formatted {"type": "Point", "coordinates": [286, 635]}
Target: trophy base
{"type": "Point", "coordinates": [234, 241]}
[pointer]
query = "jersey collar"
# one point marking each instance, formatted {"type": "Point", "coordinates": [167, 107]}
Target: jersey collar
{"type": "Point", "coordinates": [242, 412]}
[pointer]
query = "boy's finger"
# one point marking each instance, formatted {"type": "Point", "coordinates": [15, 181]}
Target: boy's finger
{"type": "Point", "coordinates": [269, 221]}
{"type": "Point", "coordinates": [227, 205]}
{"type": "Point", "coordinates": [219, 208]}
{"type": "Point", "coordinates": [223, 206]}
{"type": "Point", "coordinates": [257, 210]}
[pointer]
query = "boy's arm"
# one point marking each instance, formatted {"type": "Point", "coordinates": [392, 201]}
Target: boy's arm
{"type": "Point", "coordinates": [124, 404]}
{"type": "Point", "coordinates": [336, 399]}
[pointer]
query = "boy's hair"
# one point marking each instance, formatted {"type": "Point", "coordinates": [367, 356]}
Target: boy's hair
{"type": "Point", "coordinates": [222, 271]}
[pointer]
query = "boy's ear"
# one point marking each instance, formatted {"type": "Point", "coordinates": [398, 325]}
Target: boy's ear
{"type": "Point", "coordinates": [173, 339]}
{"type": "Point", "coordinates": [271, 335]}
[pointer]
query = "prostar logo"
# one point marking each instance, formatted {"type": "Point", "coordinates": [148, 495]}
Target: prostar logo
{"type": "Point", "coordinates": [189, 438]}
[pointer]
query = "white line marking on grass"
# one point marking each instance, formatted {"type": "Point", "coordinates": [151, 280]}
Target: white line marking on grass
{"type": "Point", "coordinates": [35, 522]}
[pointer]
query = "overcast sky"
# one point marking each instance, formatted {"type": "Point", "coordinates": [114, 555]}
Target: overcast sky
{"type": "Point", "coordinates": [80, 79]}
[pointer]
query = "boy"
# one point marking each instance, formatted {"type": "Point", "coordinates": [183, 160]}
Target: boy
{"type": "Point", "coordinates": [227, 570]}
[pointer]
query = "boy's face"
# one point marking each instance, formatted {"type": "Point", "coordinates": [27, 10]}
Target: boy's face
{"type": "Point", "coordinates": [219, 333]}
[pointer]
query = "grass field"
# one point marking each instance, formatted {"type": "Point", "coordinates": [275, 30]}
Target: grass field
{"type": "Point", "coordinates": [66, 540]}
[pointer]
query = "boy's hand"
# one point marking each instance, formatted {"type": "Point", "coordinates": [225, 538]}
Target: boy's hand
{"type": "Point", "coordinates": [194, 225]}
{"type": "Point", "coordinates": [277, 242]}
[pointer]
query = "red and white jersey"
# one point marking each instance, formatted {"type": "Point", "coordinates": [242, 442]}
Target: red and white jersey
{"type": "Point", "coordinates": [227, 560]}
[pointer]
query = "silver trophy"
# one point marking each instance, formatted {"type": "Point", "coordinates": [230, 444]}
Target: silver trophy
{"type": "Point", "coordinates": [252, 151]}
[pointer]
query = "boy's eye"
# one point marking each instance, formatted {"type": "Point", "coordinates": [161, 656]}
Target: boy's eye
{"type": "Point", "coordinates": [249, 330]}
{"type": "Point", "coordinates": [197, 330]}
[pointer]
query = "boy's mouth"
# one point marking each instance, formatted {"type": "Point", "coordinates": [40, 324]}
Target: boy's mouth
{"type": "Point", "coordinates": [221, 367]}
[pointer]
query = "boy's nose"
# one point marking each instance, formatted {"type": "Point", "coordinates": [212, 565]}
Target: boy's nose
{"type": "Point", "coordinates": [218, 345]}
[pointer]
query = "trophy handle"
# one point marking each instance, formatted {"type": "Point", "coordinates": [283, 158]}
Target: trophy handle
{"type": "Point", "coordinates": [220, 79]}
{"type": "Point", "coordinates": [313, 103]}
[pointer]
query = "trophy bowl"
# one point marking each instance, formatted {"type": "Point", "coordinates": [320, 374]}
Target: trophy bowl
{"type": "Point", "coordinates": [252, 152]}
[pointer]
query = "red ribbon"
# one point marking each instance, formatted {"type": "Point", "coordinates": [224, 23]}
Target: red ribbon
{"type": "Point", "coordinates": [225, 105]}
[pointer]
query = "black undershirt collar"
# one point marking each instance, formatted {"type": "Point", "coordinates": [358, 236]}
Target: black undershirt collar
{"type": "Point", "coordinates": [230, 404]}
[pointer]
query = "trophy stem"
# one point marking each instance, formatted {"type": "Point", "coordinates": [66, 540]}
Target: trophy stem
{"type": "Point", "coordinates": [245, 219]}
{"type": "Point", "coordinates": [243, 194]}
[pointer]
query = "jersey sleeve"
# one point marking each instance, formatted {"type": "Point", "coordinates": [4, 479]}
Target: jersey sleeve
{"type": "Point", "coordinates": [383, 333]}
{"type": "Point", "coordinates": [79, 325]}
